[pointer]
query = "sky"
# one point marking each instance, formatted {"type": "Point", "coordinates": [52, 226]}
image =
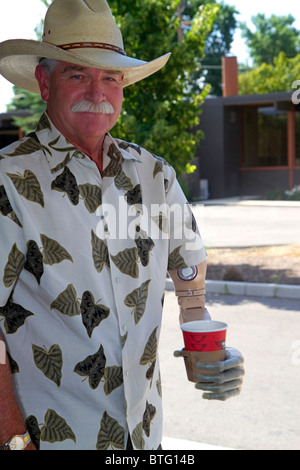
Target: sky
{"type": "Point", "coordinates": [18, 18]}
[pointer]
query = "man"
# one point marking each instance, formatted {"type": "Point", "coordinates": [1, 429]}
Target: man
{"type": "Point", "coordinates": [86, 240]}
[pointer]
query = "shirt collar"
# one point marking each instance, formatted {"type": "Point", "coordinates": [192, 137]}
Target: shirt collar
{"type": "Point", "coordinates": [59, 151]}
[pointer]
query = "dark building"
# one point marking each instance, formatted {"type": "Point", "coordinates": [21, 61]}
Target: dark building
{"type": "Point", "coordinates": [8, 131]}
{"type": "Point", "coordinates": [251, 144]}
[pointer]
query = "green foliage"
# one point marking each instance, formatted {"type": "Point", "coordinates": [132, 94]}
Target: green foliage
{"type": "Point", "coordinates": [287, 195]}
{"type": "Point", "coordinates": [161, 112]}
{"type": "Point", "coordinates": [270, 37]}
{"type": "Point", "coordinates": [271, 78]}
{"type": "Point", "coordinates": [27, 101]}
{"type": "Point", "coordinates": [274, 47]}
{"type": "Point", "coordinates": [218, 45]}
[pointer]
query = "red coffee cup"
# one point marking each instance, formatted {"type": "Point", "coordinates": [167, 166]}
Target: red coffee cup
{"type": "Point", "coordinates": [204, 342]}
{"type": "Point", "coordinates": [204, 335]}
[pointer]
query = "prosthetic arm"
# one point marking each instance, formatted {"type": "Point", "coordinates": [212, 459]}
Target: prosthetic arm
{"type": "Point", "coordinates": [190, 290]}
{"type": "Point", "coordinates": [224, 379]}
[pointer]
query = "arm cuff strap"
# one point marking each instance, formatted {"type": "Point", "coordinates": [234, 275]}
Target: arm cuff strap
{"type": "Point", "coordinates": [190, 292]}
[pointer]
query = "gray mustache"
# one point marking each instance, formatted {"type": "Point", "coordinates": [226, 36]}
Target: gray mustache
{"type": "Point", "coordinates": [87, 107]}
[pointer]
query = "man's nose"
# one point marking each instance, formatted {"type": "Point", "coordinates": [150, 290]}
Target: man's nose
{"type": "Point", "coordinates": [95, 91]}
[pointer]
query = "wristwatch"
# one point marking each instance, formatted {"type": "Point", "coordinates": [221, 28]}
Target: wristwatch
{"type": "Point", "coordinates": [17, 442]}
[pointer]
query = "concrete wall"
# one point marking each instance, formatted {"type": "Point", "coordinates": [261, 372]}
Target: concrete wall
{"type": "Point", "coordinates": [260, 182]}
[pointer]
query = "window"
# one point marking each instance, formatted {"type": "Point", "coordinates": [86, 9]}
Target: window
{"type": "Point", "coordinates": [264, 137]}
{"type": "Point", "coordinates": [7, 136]}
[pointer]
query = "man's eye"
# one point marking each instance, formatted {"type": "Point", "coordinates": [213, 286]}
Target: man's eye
{"type": "Point", "coordinates": [114, 78]}
{"type": "Point", "coordinates": [77, 77]}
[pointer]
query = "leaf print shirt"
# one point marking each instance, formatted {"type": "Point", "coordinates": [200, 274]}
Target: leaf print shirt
{"type": "Point", "coordinates": [83, 266]}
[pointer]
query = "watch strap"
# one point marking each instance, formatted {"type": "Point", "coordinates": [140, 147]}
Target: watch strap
{"type": "Point", "coordinates": [5, 446]}
{"type": "Point", "coordinates": [26, 439]}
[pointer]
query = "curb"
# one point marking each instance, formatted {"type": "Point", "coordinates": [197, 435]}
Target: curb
{"type": "Point", "coordinates": [237, 201]}
{"type": "Point", "coordinates": [170, 443]}
{"type": "Point", "coordinates": [251, 289]}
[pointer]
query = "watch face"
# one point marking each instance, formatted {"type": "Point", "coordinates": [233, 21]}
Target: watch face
{"type": "Point", "coordinates": [17, 443]}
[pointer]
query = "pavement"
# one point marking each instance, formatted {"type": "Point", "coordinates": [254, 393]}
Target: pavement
{"type": "Point", "coordinates": [242, 223]}
{"type": "Point", "coordinates": [233, 222]}
{"type": "Point", "coordinates": [264, 324]}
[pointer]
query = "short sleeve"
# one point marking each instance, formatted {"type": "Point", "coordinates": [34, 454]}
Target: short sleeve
{"type": "Point", "coordinates": [186, 246]}
{"type": "Point", "coordinates": [12, 249]}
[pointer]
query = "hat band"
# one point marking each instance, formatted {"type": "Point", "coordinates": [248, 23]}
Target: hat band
{"type": "Point", "coordinates": [93, 45]}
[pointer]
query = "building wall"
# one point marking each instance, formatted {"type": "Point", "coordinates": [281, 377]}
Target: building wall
{"type": "Point", "coordinates": [8, 131]}
{"type": "Point", "coordinates": [219, 152]}
{"type": "Point", "coordinates": [210, 152]}
{"type": "Point", "coordinates": [7, 136]}
{"type": "Point", "coordinates": [226, 144]}
{"type": "Point", "coordinates": [232, 133]}
{"type": "Point", "coordinates": [297, 177]}
{"type": "Point", "coordinates": [261, 182]}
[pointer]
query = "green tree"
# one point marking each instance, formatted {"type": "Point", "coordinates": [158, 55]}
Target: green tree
{"type": "Point", "coordinates": [270, 37]}
{"type": "Point", "coordinates": [271, 78]}
{"type": "Point", "coordinates": [162, 112]}
{"type": "Point", "coordinates": [24, 100]}
{"type": "Point", "coordinates": [217, 44]}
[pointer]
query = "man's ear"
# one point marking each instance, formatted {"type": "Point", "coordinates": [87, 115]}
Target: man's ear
{"type": "Point", "coordinates": [43, 81]}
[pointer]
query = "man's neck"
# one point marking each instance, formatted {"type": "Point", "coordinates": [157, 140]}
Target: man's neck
{"type": "Point", "coordinates": [90, 146]}
{"type": "Point", "coordinates": [94, 151]}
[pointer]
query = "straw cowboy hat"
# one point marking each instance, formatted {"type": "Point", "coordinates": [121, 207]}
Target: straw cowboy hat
{"type": "Point", "coordinates": [81, 32]}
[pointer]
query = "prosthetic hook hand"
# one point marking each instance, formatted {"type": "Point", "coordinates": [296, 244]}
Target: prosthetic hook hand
{"type": "Point", "coordinates": [219, 380]}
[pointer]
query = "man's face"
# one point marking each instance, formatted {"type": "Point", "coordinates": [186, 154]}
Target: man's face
{"type": "Point", "coordinates": [71, 84]}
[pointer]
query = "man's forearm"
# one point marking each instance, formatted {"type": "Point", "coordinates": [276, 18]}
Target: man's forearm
{"type": "Point", "coordinates": [11, 419]}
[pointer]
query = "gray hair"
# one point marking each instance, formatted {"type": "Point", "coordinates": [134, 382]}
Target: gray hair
{"type": "Point", "coordinates": [48, 64]}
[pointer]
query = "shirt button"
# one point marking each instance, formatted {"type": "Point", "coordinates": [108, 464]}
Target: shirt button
{"type": "Point", "coordinates": [124, 328]}
{"type": "Point", "coordinates": [117, 280]}
{"type": "Point", "coordinates": [126, 373]}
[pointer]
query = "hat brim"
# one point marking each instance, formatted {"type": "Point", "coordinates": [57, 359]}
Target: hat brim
{"type": "Point", "coordinates": [19, 58]}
